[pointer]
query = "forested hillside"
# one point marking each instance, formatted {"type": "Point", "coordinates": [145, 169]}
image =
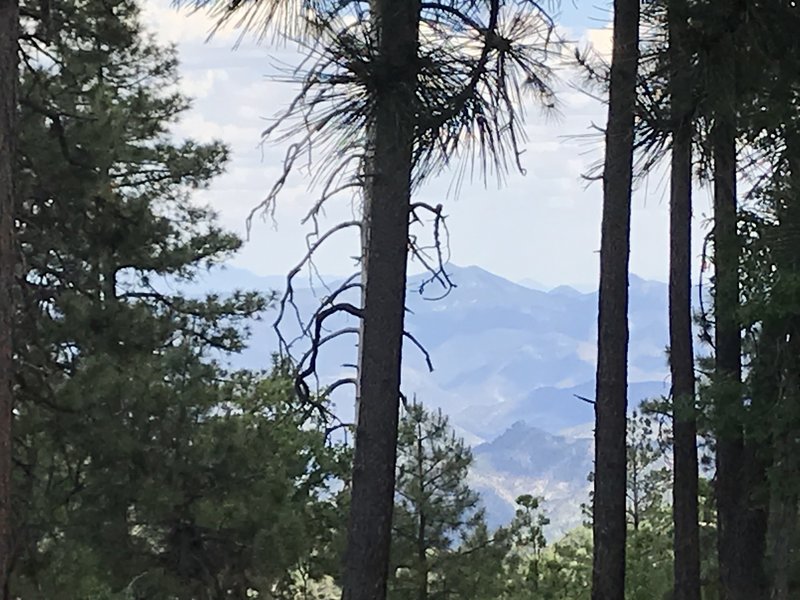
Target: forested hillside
{"type": "Point", "coordinates": [172, 427]}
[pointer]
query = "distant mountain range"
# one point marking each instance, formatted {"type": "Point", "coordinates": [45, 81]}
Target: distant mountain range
{"type": "Point", "coordinates": [528, 460]}
{"type": "Point", "coordinates": [509, 361]}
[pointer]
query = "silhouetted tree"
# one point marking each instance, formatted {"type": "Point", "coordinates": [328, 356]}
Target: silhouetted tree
{"type": "Point", "coordinates": [608, 576]}
{"type": "Point", "coordinates": [402, 89]}
{"type": "Point", "coordinates": [9, 36]}
{"type": "Point", "coordinates": [681, 353]}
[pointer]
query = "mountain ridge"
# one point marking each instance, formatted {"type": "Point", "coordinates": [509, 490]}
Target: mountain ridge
{"type": "Point", "coordinates": [509, 362]}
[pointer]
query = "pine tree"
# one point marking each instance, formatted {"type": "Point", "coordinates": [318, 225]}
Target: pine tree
{"type": "Point", "coordinates": [681, 353]}
{"type": "Point", "coordinates": [649, 552]}
{"type": "Point", "coordinates": [9, 36]}
{"type": "Point", "coordinates": [768, 229]}
{"type": "Point", "coordinates": [612, 330]}
{"type": "Point", "coordinates": [143, 468]}
{"type": "Point", "coordinates": [731, 496]}
{"type": "Point", "coordinates": [438, 521]}
{"type": "Point", "coordinates": [525, 561]}
{"type": "Point", "coordinates": [401, 106]}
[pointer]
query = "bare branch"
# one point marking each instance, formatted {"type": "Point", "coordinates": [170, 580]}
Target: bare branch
{"type": "Point", "coordinates": [288, 296]}
{"type": "Point", "coordinates": [339, 383]}
{"type": "Point", "coordinates": [301, 386]}
{"type": "Point", "coordinates": [421, 348]}
{"type": "Point", "coordinates": [438, 272]}
{"type": "Point", "coordinates": [324, 340]}
{"type": "Point", "coordinates": [585, 399]}
{"type": "Point", "coordinates": [329, 300]}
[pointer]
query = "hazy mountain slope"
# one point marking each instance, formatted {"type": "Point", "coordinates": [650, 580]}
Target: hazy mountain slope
{"type": "Point", "coordinates": [528, 460]}
{"type": "Point", "coordinates": [504, 352]}
{"type": "Point", "coordinates": [550, 408]}
{"type": "Point", "coordinates": [494, 344]}
{"type": "Point", "coordinates": [509, 361]}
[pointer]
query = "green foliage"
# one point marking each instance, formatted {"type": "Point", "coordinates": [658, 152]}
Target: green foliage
{"type": "Point", "coordinates": [143, 470]}
{"type": "Point", "coordinates": [567, 571]}
{"type": "Point", "coordinates": [649, 552]}
{"type": "Point", "coordinates": [524, 561]}
{"type": "Point", "coordinates": [223, 488]}
{"type": "Point", "coordinates": [649, 536]}
{"type": "Point", "coordinates": [439, 531]}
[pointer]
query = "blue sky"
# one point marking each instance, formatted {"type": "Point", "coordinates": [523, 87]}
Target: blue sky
{"type": "Point", "coordinates": [543, 226]}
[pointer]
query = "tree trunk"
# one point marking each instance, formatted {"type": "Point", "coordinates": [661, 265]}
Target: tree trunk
{"type": "Point", "coordinates": [741, 526]}
{"type": "Point", "coordinates": [685, 482]}
{"type": "Point", "coordinates": [422, 558]}
{"type": "Point", "coordinates": [422, 546]}
{"type": "Point", "coordinates": [728, 368]}
{"type": "Point", "coordinates": [9, 37]}
{"type": "Point", "coordinates": [765, 389]}
{"type": "Point", "coordinates": [783, 529]}
{"type": "Point", "coordinates": [608, 572]}
{"type": "Point", "coordinates": [387, 197]}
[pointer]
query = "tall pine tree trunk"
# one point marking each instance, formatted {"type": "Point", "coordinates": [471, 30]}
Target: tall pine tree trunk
{"type": "Point", "coordinates": [741, 524]}
{"type": "Point", "coordinates": [387, 198]}
{"type": "Point", "coordinates": [608, 572]}
{"type": "Point", "coordinates": [9, 37]}
{"type": "Point", "coordinates": [685, 483]}
{"type": "Point", "coordinates": [728, 367]}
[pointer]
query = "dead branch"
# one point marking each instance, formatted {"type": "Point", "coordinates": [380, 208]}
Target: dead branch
{"type": "Point", "coordinates": [288, 296]}
{"type": "Point", "coordinates": [421, 348]}
{"type": "Point", "coordinates": [339, 383]}
{"type": "Point", "coordinates": [324, 340]}
{"type": "Point", "coordinates": [267, 205]}
{"type": "Point", "coordinates": [334, 428]}
{"type": "Point", "coordinates": [329, 300]}
{"type": "Point", "coordinates": [438, 271]}
{"type": "Point", "coordinates": [333, 186]}
{"type": "Point", "coordinates": [301, 386]}
{"type": "Point", "coordinates": [585, 399]}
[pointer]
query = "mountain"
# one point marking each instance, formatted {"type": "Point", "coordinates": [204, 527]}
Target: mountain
{"type": "Point", "coordinates": [528, 460]}
{"type": "Point", "coordinates": [509, 364]}
{"type": "Point", "coordinates": [501, 352]}
{"type": "Point", "coordinates": [534, 284]}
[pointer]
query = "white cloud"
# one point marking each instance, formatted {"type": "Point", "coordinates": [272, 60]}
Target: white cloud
{"type": "Point", "coordinates": [544, 225]}
{"type": "Point", "coordinates": [198, 84]}
{"type": "Point", "coordinates": [601, 40]}
{"type": "Point", "coordinates": [178, 25]}
{"type": "Point", "coordinates": [206, 129]}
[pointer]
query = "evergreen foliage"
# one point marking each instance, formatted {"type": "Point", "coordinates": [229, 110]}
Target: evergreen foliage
{"type": "Point", "coordinates": [143, 468]}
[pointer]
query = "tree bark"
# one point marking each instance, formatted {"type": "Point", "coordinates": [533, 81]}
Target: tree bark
{"type": "Point", "coordinates": [9, 38]}
{"type": "Point", "coordinates": [608, 571]}
{"type": "Point", "coordinates": [422, 546]}
{"type": "Point", "coordinates": [685, 476]}
{"type": "Point", "coordinates": [741, 526]}
{"type": "Point", "coordinates": [783, 530]}
{"type": "Point", "coordinates": [728, 368]}
{"type": "Point", "coordinates": [387, 198]}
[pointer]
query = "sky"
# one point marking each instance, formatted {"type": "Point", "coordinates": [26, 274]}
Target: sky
{"type": "Point", "coordinates": [543, 226]}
